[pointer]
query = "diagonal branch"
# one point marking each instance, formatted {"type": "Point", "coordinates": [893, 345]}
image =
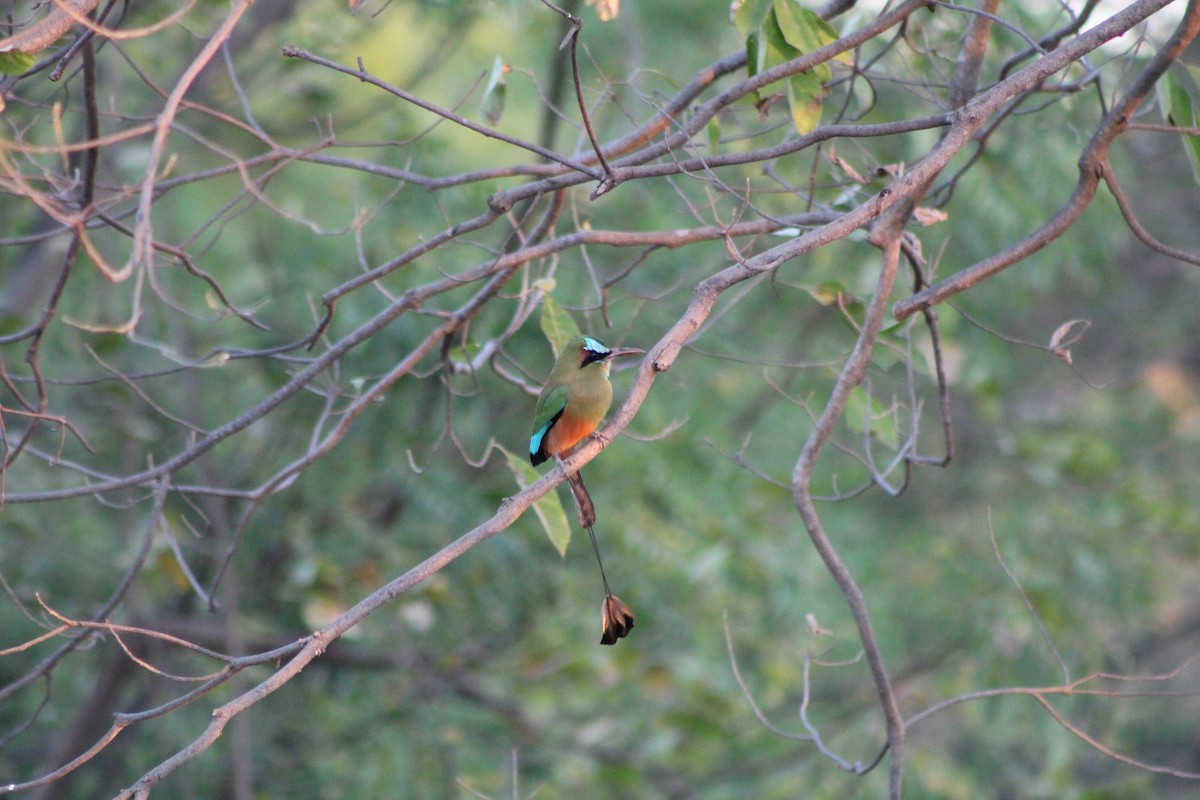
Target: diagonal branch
{"type": "Point", "coordinates": [1091, 164]}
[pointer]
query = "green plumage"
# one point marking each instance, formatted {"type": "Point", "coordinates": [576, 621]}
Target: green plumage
{"type": "Point", "coordinates": [574, 400]}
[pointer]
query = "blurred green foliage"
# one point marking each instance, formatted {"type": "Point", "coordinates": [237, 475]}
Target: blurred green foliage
{"type": "Point", "coordinates": [487, 679]}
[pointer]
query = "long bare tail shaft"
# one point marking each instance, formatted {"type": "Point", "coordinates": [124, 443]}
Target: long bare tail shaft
{"type": "Point", "coordinates": [616, 617]}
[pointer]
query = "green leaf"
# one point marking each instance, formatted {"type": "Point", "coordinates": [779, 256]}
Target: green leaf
{"type": "Point", "coordinates": [880, 423]}
{"type": "Point", "coordinates": [776, 45]}
{"type": "Point", "coordinates": [756, 52]}
{"type": "Point", "coordinates": [749, 15]}
{"type": "Point", "coordinates": [463, 353]}
{"type": "Point", "coordinates": [756, 56]}
{"type": "Point", "coordinates": [548, 507]}
{"type": "Point", "coordinates": [804, 30]}
{"type": "Point", "coordinates": [1176, 93]}
{"type": "Point", "coordinates": [15, 62]}
{"type": "Point", "coordinates": [491, 105]}
{"type": "Point", "coordinates": [557, 324]}
{"type": "Point", "coordinates": [804, 90]}
{"type": "Point", "coordinates": [794, 31]}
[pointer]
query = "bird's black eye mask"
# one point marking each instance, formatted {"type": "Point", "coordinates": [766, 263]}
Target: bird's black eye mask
{"type": "Point", "coordinates": [592, 352]}
{"type": "Point", "coordinates": [591, 358]}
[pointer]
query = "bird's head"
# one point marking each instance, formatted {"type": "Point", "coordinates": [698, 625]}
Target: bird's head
{"type": "Point", "coordinates": [585, 350]}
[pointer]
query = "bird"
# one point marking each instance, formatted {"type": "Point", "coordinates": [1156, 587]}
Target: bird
{"type": "Point", "coordinates": [570, 408]}
{"type": "Point", "coordinates": [575, 398]}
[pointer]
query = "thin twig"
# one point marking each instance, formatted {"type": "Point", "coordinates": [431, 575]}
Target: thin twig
{"type": "Point", "coordinates": [1037, 618]}
{"type": "Point", "coordinates": [483, 130]}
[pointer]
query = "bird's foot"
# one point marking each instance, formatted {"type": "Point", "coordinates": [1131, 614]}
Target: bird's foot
{"type": "Point", "coordinates": [601, 438]}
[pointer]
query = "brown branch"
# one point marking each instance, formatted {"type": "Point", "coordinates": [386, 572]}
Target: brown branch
{"type": "Point", "coordinates": [1095, 155]}
{"type": "Point", "coordinates": [72, 765]}
{"type": "Point", "coordinates": [1100, 747]}
{"type": "Point", "coordinates": [50, 28]}
{"type": "Point", "coordinates": [1139, 230]}
{"type": "Point", "coordinates": [851, 375]}
{"type": "Point", "coordinates": [82, 19]}
{"type": "Point", "coordinates": [117, 629]}
{"type": "Point", "coordinates": [491, 276]}
{"type": "Point", "coordinates": [970, 60]}
{"type": "Point", "coordinates": [703, 114]}
{"type": "Point", "coordinates": [571, 41]}
{"type": "Point", "coordinates": [659, 359]}
{"type": "Point", "coordinates": [920, 280]}
{"type": "Point", "coordinates": [45, 667]}
{"type": "Point", "coordinates": [366, 77]}
{"type": "Point", "coordinates": [509, 511]}
{"type": "Point", "coordinates": [143, 238]}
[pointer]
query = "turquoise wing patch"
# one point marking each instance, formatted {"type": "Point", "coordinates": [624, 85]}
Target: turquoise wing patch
{"type": "Point", "coordinates": [549, 408]}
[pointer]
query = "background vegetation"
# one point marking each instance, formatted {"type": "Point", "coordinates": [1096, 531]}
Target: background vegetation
{"type": "Point", "coordinates": [267, 328]}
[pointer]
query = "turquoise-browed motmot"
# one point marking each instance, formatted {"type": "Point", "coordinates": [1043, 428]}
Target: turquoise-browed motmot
{"type": "Point", "coordinates": [570, 408]}
{"type": "Point", "coordinates": [575, 398]}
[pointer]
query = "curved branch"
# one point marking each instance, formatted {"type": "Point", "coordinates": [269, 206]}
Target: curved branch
{"type": "Point", "coordinates": [851, 375]}
{"type": "Point", "coordinates": [1139, 230]}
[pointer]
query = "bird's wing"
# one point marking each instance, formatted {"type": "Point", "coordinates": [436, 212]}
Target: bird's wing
{"type": "Point", "coordinates": [550, 407]}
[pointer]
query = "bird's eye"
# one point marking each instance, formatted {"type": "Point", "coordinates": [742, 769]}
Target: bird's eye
{"type": "Point", "coordinates": [588, 356]}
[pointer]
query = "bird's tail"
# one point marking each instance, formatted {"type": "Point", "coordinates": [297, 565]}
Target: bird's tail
{"type": "Point", "coordinates": [583, 501]}
{"type": "Point", "coordinates": [616, 617]}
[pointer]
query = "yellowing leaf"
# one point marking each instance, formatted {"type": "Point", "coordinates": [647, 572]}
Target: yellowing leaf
{"type": "Point", "coordinates": [788, 35]}
{"type": "Point", "coordinates": [165, 563]}
{"type": "Point", "coordinates": [805, 92]}
{"type": "Point", "coordinates": [825, 293]}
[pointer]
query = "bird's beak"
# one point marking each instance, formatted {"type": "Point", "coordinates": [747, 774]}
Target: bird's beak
{"type": "Point", "coordinates": [623, 351]}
